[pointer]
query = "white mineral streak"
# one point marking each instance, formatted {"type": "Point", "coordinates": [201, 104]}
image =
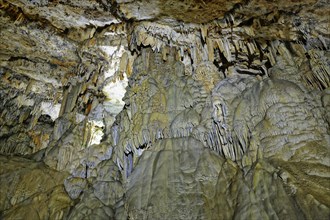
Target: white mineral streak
{"type": "Point", "coordinates": [79, 118]}
{"type": "Point", "coordinates": [115, 89]}
{"type": "Point", "coordinates": [96, 129]}
{"type": "Point", "coordinates": [48, 108]}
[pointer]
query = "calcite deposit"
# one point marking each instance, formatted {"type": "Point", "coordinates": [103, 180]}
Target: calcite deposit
{"type": "Point", "coordinates": [164, 109]}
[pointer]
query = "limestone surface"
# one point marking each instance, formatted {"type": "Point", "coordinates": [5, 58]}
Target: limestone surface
{"type": "Point", "coordinates": [164, 109]}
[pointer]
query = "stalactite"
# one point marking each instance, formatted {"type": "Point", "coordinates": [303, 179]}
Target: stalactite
{"type": "Point", "coordinates": [217, 103]}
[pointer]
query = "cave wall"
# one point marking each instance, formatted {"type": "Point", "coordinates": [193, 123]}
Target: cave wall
{"type": "Point", "coordinates": [164, 110]}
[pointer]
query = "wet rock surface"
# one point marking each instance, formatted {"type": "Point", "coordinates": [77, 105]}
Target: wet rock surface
{"type": "Point", "coordinates": [164, 109]}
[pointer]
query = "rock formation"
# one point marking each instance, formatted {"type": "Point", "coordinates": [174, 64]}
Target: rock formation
{"type": "Point", "coordinates": [164, 109]}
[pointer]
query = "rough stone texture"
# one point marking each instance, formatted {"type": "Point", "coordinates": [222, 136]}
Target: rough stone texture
{"type": "Point", "coordinates": [191, 180]}
{"type": "Point", "coordinates": [31, 190]}
{"type": "Point", "coordinates": [187, 177]}
{"type": "Point", "coordinates": [164, 109]}
{"type": "Point", "coordinates": [100, 200]}
{"type": "Point", "coordinates": [251, 123]}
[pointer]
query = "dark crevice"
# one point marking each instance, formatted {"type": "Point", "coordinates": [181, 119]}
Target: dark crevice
{"type": "Point", "coordinates": [225, 63]}
{"type": "Point", "coordinates": [46, 119]}
{"type": "Point", "coordinates": [11, 59]}
{"type": "Point", "coordinates": [246, 72]}
{"type": "Point", "coordinates": [268, 65]}
{"type": "Point", "coordinates": [248, 22]}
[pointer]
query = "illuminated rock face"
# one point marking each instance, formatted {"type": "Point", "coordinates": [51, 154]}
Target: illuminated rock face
{"type": "Point", "coordinates": [231, 151]}
{"type": "Point", "coordinates": [164, 110]}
